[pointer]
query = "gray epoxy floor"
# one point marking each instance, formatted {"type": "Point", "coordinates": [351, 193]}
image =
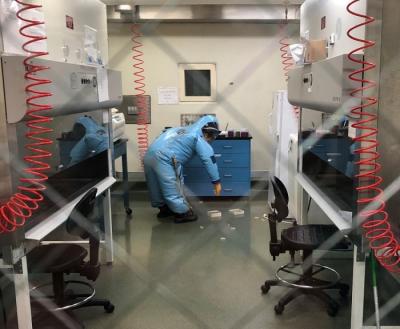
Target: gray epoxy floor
{"type": "Point", "coordinates": [205, 274]}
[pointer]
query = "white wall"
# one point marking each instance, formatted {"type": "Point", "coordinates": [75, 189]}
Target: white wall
{"type": "Point", "coordinates": [248, 71]}
{"type": "Point", "coordinates": [84, 12]}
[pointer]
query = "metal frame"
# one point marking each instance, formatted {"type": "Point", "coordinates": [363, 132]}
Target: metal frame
{"type": "Point", "coordinates": [227, 13]}
{"type": "Point", "coordinates": [5, 174]}
{"type": "Point", "coordinates": [22, 297]}
{"type": "Point", "coordinates": [302, 286]}
{"type": "Point", "coordinates": [74, 305]}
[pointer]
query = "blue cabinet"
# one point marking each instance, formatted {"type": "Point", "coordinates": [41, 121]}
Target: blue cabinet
{"type": "Point", "coordinates": [233, 159]}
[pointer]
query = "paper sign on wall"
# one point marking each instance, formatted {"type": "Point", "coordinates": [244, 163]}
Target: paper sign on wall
{"type": "Point", "coordinates": [167, 95]}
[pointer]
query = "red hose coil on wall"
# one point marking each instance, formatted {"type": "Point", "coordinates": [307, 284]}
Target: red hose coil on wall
{"type": "Point", "coordinates": [142, 117]}
{"type": "Point", "coordinates": [376, 223]}
{"type": "Point", "coordinates": [20, 207]}
{"type": "Point", "coordinates": [287, 60]}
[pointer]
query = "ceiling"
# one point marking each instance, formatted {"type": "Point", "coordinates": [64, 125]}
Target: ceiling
{"type": "Point", "coordinates": [201, 2]}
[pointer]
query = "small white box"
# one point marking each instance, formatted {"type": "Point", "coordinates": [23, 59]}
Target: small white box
{"type": "Point", "coordinates": [236, 212]}
{"type": "Point", "coordinates": [214, 214]}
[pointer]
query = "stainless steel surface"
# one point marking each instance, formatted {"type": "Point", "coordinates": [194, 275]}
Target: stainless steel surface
{"type": "Point", "coordinates": [1, 42]}
{"type": "Point", "coordinates": [114, 89]}
{"type": "Point", "coordinates": [323, 85]}
{"type": "Point", "coordinates": [196, 2]}
{"type": "Point", "coordinates": [206, 13]}
{"type": "Point", "coordinates": [5, 174]}
{"type": "Point", "coordinates": [389, 105]}
{"type": "Point", "coordinates": [75, 88]}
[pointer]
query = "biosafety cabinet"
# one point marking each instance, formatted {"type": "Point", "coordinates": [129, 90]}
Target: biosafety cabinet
{"type": "Point", "coordinates": [78, 85]}
{"type": "Point", "coordinates": [328, 137]}
{"type": "Point", "coordinates": [324, 91]}
{"type": "Point", "coordinates": [54, 118]}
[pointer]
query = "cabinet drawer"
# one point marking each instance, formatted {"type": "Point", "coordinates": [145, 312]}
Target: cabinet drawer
{"type": "Point", "coordinates": [231, 146]}
{"type": "Point", "coordinates": [232, 160]}
{"type": "Point", "coordinates": [226, 174]}
{"type": "Point", "coordinates": [234, 174]}
{"type": "Point", "coordinates": [236, 189]}
{"type": "Point", "coordinates": [228, 189]}
{"type": "Point", "coordinates": [223, 160]}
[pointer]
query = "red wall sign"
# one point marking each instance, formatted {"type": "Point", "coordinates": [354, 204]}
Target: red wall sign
{"type": "Point", "coordinates": [323, 23]}
{"type": "Point", "coordinates": [69, 21]}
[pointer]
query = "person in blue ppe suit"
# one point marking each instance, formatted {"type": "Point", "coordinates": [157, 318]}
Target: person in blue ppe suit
{"type": "Point", "coordinates": [163, 166]}
{"type": "Point", "coordinates": [92, 137]}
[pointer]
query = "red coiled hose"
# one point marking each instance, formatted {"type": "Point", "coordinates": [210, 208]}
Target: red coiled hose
{"type": "Point", "coordinates": [20, 206]}
{"type": "Point", "coordinates": [142, 117]}
{"type": "Point", "coordinates": [375, 219]}
{"type": "Point", "coordinates": [287, 60]}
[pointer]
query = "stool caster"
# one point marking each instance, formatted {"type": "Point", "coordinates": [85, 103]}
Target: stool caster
{"type": "Point", "coordinates": [109, 308]}
{"type": "Point", "coordinates": [332, 310]}
{"type": "Point", "coordinates": [128, 211]}
{"type": "Point", "coordinates": [265, 288]}
{"type": "Point", "coordinates": [344, 292]}
{"type": "Point", "coordinates": [279, 309]}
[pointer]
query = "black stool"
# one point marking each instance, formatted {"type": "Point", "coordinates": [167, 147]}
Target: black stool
{"type": "Point", "coordinates": [305, 238]}
{"type": "Point", "coordinates": [62, 259]}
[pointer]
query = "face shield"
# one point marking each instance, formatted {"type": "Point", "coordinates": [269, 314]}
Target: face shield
{"type": "Point", "coordinates": [211, 130]}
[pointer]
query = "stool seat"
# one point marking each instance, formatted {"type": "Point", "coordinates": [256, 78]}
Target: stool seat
{"type": "Point", "coordinates": [309, 237]}
{"type": "Point", "coordinates": [56, 258]}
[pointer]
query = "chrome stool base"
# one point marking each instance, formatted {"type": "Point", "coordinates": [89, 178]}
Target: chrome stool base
{"type": "Point", "coordinates": [305, 283]}
{"type": "Point", "coordinates": [307, 280]}
{"type": "Point", "coordinates": [75, 304]}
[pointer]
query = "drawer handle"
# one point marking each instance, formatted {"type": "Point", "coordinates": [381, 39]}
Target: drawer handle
{"type": "Point", "coordinates": [217, 155]}
{"type": "Point", "coordinates": [227, 146]}
{"type": "Point", "coordinates": [227, 175]}
{"type": "Point", "coordinates": [227, 161]}
{"type": "Point", "coordinates": [228, 189]}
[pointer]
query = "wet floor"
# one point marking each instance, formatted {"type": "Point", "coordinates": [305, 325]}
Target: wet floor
{"type": "Point", "coordinates": [205, 274]}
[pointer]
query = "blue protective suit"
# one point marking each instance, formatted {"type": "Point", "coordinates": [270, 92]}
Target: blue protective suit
{"type": "Point", "coordinates": [181, 144]}
{"type": "Point", "coordinates": [93, 142]}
